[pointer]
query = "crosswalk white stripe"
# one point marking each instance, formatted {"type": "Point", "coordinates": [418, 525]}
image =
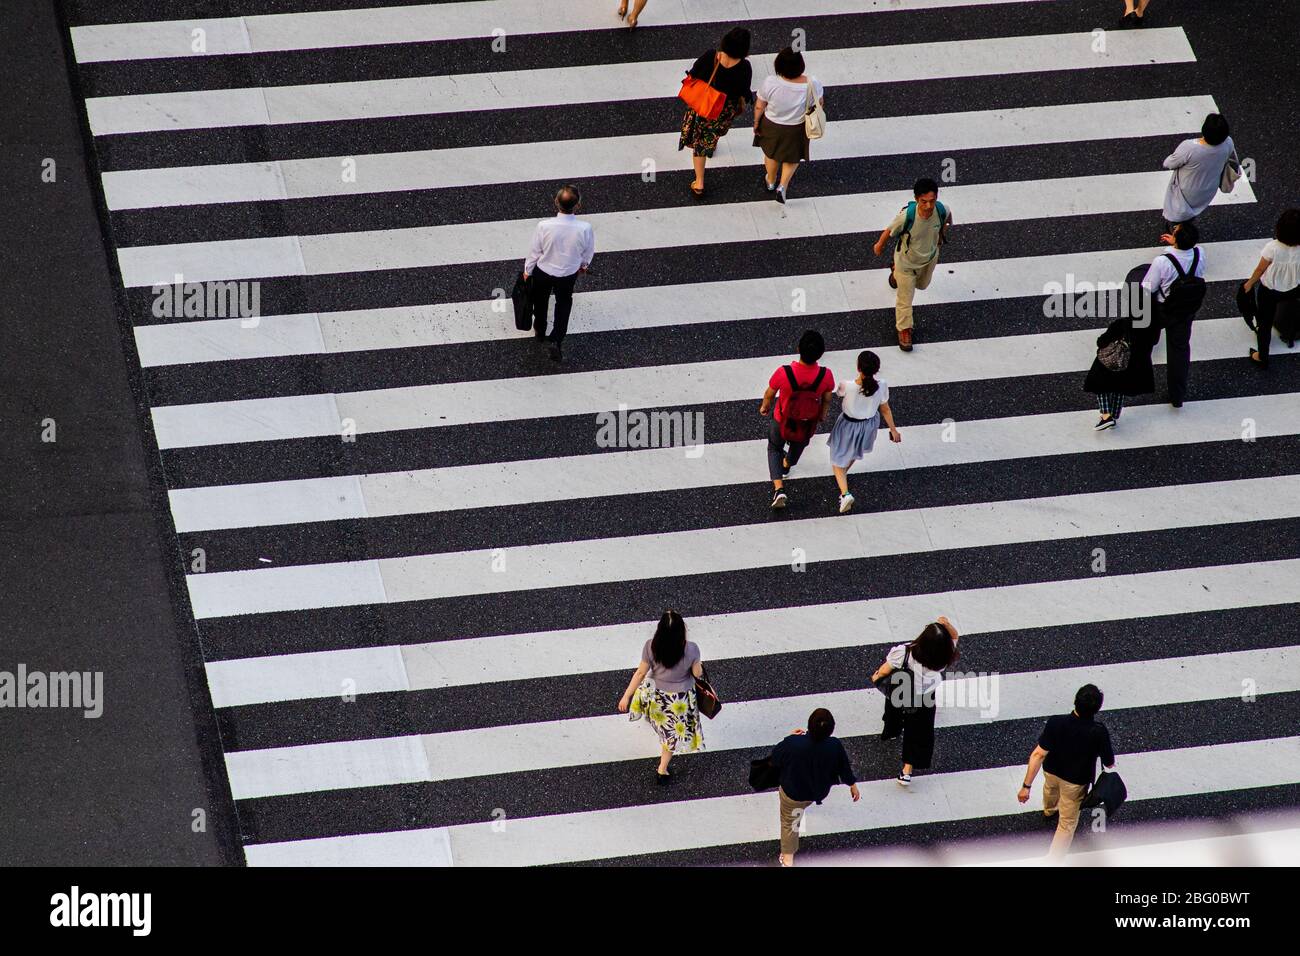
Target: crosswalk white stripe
{"type": "Point", "coordinates": [450, 323]}
{"type": "Point", "coordinates": [629, 155]}
{"type": "Point", "coordinates": [659, 228]}
{"type": "Point", "coordinates": [745, 634]}
{"type": "Point", "coordinates": [966, 700]}
{"type": "Point", "coordinates": [665, 386]}
{"type": "Point", "coordinates": [424, 23]}
{"type": "Point", "coordinates": [722, 821]}
{"type": "Point", "coordinates": [502, 484]}
{"type": "Point", "coordinates": [742, 547]}
{"type": "Point", "coordinates": [571, 86]}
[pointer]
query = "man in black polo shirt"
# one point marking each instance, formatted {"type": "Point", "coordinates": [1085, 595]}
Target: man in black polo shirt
{"type": "Point", "coordinates": [1067, 751]}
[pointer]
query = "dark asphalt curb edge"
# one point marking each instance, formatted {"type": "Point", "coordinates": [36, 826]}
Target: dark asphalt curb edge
{"type": "Point", "coordinates": [222, 817]}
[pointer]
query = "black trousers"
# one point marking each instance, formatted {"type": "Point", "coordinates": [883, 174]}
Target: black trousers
{"type": "Point", "coordinates": [1266, 303]}
{"type": "Point", "coordinates": [776, 450]}
{"type": "Point", "coordinates": [1178, 349]}
{"type": "Point", "coordinates": [917, 730]}
{"type": "Point", "coordinates": [542, 287]}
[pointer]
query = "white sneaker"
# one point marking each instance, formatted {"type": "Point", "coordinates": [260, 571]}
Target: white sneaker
{"type": "Point", "coordinates": [846, 503]}
{"type": "Point", "coordinates": [904, 779]}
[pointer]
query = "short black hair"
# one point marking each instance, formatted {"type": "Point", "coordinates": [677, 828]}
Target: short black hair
{"type": "Point", "coordinates": [1214, 129]}
{"type": "Point", "coordinates": [789, 63]}
{"type": "Point", "coordinates": [821, 724]}
{"type": "Point", "coordinates": [1288, 228]}
{"type": "Point", "coordinates": [1186, 235]}
{"type": "Point", "coordinates": [811, 347]}
{"type": "Point", "coordinates": [736, 43]}
{"type": "Point", "coordinates": [1087, 700]}
{"type": "Point", "coordinates": [925, 185]}
{"type": "Point", "coordinates": [568, 198]}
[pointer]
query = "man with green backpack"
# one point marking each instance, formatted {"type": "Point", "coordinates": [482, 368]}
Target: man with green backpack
{"type": "Point", "coordinates": [921, 228]}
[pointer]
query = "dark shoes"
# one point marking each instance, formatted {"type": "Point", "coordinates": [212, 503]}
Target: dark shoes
{"type": "Point", "coordinates": [905, 339]}
{"type": "Point", "coordinates": [556, 355]}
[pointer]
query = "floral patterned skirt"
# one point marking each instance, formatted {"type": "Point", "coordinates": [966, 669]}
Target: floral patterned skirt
{"type": "Point", "coordinates": [675, 717]}
{"type": "Point", "coordinates": [701, 134]}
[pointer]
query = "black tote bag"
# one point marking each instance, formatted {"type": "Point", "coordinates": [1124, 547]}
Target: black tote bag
{"type": "Point", "coordinates": [763, 774]}
{"type": "Point", "coordinates": [523, 301]}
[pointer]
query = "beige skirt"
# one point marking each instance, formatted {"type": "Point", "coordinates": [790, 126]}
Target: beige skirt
{"type": "Point", "coordinates": [785, 144]}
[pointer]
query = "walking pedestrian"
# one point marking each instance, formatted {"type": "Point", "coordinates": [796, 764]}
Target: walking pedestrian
{"type": "Point", "coordinates": [727, 70]}
{"type": "Point", "coordinates": [783, 99]}
{"type": "Point", "coordinates": [1176, 284]}
{"type": "Point", "coordinates": [810, 763]}
{"type": "Point", "coordinates": [1123, 367]}
{"type": "Point", "coordinates": [865, 402]}
{"type": "Point", "coordinates": [1197, 166]}
{"type": "Point", "coordinates": [634, 18]}
{"type": "Point", "coordinates": [1134, 14]}
{"type": "Point", "coordinates": [662, 691]}
{"type": "Point", "coordinates": [911, 704]}
{"type": "Point", "coordinates": [921, 227]}
{"type": "Point", "coordinates": [562, 247]}
{"type": "Point", "coordinates": [1275, 284]}
{"type": "Point", "coordinates": [802, 391]}
{"type": "Point", "coordinates": [1068, 749]}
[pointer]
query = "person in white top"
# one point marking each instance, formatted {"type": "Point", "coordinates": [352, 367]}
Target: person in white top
{"type": "Point", "coordinates": [1175, 318]}
{"type": "Point", "coordinates": [865, 402]}
{"type": "Point", "coordinates": [779, 108]}
{"type": "Point", "coordinates": [562, 247]}
{"type": "Point", "coordinates": [912, 716]}
{"type": "Point", "coordinates": [1275, 284]}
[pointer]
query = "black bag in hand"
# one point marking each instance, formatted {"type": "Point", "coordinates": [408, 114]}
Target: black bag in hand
{"type": "Point", "coordinates": [1108, 792]}
{"type": "Point", "coordinates": [523, 304]}
{"type": "Point", "coordinates": [763, 774]}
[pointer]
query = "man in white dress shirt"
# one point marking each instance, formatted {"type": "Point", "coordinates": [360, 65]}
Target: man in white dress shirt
{"type": "Point", "coordinates": [562, 247]}
{"type": "Point", "coordinates": [1175, 318]}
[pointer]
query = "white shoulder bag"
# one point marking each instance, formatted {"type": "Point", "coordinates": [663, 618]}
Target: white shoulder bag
{"type": "Point", "coordinates": [814, 117]}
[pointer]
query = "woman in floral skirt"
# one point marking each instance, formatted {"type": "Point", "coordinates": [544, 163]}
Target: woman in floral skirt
{"type": "Point", "coordinates": [662, 691]}
{"type": "Point", "coordinates": [732, 75]}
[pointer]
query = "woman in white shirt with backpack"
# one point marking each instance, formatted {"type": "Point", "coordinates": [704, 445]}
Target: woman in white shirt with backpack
{"type": "Point", "coordinates": [865, 402]}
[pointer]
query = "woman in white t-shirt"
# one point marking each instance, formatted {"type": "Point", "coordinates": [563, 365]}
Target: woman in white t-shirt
{"type": "Point", "coordinates": [1276, 282]}
{"type": "Point", "coordinates": [782, 101]}
{"type": "Point", "coordinates": [865, 402]}
{"type": "Point", "coordinates": [925, 658]}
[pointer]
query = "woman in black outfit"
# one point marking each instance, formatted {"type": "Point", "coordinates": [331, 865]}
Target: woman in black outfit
{"type": "Point", "coordinates": [926, 657]}
{"type": "Point", "coordinates": [733, 77]}
{"type": "Point", "coordinates": [1112, 386]}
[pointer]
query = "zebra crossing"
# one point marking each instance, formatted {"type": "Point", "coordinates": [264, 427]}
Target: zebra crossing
{"type": "Point", "coordinates": [419, 577]}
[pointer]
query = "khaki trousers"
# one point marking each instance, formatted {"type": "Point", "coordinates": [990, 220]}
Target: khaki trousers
{"type": "Point", "coordinates": [909, 280]}
{"type": "Point", "coordinates": [791, 813]}
{"type": "Point", "coordinates": [1062, 798]}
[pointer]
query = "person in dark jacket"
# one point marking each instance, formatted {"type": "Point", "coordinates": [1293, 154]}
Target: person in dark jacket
{"type": "Point", "coordinates": [810, 762]}
{"type": "Point", "coordinates": [1138, 378]}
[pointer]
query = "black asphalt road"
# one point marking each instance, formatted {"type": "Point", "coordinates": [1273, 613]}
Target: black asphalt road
{"type": "Point", "coordinates": [89, 564]}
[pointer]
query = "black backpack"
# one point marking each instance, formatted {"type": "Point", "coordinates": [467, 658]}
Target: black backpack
{"type": "Point", "coordinates": [1186, 292]}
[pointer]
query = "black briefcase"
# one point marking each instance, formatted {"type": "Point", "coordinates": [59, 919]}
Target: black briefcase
{"type": "Point", "coordinates": [763, 774]}
{"type": "Point", "coordinates": [523, 301]}
{"type": "Point", "coordinates": [1108, 792]}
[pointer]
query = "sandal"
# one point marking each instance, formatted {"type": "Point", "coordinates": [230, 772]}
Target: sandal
{"type": "Point", "coordinates": [697, 193]}
{"type": "Point", "coordinates": [622, 11]}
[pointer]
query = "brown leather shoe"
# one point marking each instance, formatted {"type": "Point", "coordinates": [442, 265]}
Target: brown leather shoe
{"type": "Point", "coordinates": [905, 339]}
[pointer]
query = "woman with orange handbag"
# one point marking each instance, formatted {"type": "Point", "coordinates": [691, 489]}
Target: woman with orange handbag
{"type": "Point", "coordinates": [723, 74]}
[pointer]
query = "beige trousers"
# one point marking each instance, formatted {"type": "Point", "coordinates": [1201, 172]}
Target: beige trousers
{"type": "Point", "coordinates": [909, 280]}
{"type": "Point", "coordinates": [1062, 798]}
{"type": "Point", "coordinates": [791, 812]}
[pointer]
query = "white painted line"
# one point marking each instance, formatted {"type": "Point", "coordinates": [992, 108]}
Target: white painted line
{"type": "Point", "coordinates": [573, 86]}
{"type": "Point", "coordinates": [745, 547]}
{"type": "Point", "coordinates": [882, 621]}
{"type": "Point", "coordinates": [723, 821]}
{"type": "Point", "coordinates": [214, 340]}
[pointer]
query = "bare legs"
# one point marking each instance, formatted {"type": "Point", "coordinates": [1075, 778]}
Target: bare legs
{"type": "Point", "coordinates": [698, 162]}
{"type": "Point", "coordinates": [637, 7]}
{"type": "Point", "coordinates": [841, 478]}
{"type": "Point", "coordinates": [786, 170]}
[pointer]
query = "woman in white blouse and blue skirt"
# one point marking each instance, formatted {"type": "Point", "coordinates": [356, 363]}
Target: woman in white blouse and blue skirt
{"type": "Point", "coordinates": [865, 402]}
{"type": "Point", "coordinates": [925, 658]}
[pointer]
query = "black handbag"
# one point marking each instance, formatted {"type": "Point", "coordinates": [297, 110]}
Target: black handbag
{"type": "Point", "coordinates": [523, 300]}
{"type": "Point", "coordinates": [1108, 792]}
{"type": "Point", "coordinates": [706, 698]}
{"type": "Point", "coordinates": [899, 687]}
{"type": "Point", "coordinates": [763, 774]}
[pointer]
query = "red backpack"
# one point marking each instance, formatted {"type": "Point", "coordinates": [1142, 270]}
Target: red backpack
{"type": "Point", "coordinates": [803, 408]}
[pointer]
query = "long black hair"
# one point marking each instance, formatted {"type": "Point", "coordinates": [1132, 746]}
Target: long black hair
{"type": "Point", "coordinates": [933, 648]}
{"type": "Point", "coordinates": [669, 643]}
{"type": "Point", "coordinates": [869, 365]}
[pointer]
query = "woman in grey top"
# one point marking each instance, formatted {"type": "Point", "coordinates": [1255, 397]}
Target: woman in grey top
{"type": "Point", "coordinates": [662, 690]}
{"type": "Point", "coordinates": [1198, 167]}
